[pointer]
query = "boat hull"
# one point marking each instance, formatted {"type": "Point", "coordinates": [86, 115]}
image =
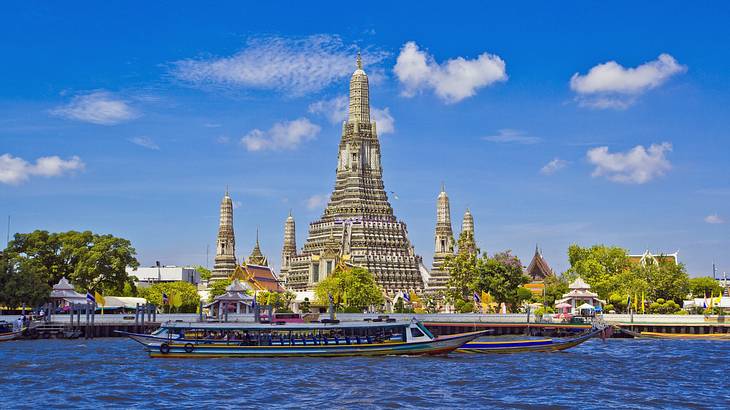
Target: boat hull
{"type": "Point", "coordinates": [525, 346]}
{"type": "Point", "coordinates": [678, 336]}
{"type": "Point", "coordinates": [4, 337]}
{"type": "Point", "coordinates": [439, 346]}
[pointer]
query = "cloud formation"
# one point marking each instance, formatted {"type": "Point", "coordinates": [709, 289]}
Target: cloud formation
{"type": "Point", "coordinates": [15, 170]}
{"type": "Point", "coordinates": [611, 85]}
{"type": "Point", "coordinates": [453, 80]}
{"type": "Point", "coordinates": [286, 135]}
{"type": "Point", "coordinates": [636, 166]}
{"type": "Point", "coordinates": [510, 136]}
{"type": "Point", "coordinates": [145, 142]}
{"type": "Point", "coordinates": [99, 107]}
{"type": "Point", "coordinates": [316, 201]}
{"type": "Point", "coordinates": [714, 219]}
{"type": "Point", "coordinates": [335, 110]}
{"type": "Point", "coordinates": [553, 166]}
{"type": "Point", "coordinates": [294, 66]}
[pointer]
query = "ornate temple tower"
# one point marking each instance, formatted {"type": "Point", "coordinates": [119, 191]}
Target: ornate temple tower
{"type": "Point", "coordinates": [289, 249]}
{"type": "Point", "coordinates": [225, 254]}
{"type": "Point", "coordinates": [257, 257]}
{"type": "Point", "coordinates": [358, 226]}
{"type": "Point", "coordinates": [444, 243]}
{"type": "Point", "coordinates": [466, 241]}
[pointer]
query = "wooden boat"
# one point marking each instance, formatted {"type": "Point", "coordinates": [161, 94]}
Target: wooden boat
{"type": "Point", "coordinates": [527, 345]}
{"type": "Point", "coordinates": [680, 336]}
{"type": "Point", "coordinates": [189, 340]}
{"type": "Point", "coordinates": [7, 332]}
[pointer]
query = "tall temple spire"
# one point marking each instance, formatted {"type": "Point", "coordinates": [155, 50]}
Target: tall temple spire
{"type": "Point", "coordinates": [257, 257]}
{"type": "Point", "coordinates": [466, 240]}
{"type": "Point", "coordinates": [444, 242]}
{"type": "Point", "coordinates": [289, 250]}
{"type": "Point", "coordinates": [359, 96]}
{"type": "Point", "coordinates": [225, 255]}
{"type": "Point", "coordinates": [358, 215]}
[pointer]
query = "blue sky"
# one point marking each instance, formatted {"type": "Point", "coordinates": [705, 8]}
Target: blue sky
{"type": "Point", "coordinates": [586, 123]}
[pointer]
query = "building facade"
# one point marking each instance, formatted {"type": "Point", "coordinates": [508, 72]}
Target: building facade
{"type": "Point", "coordinates": [358, 226]}
{"type": "Point", "coordinates": [145, 276]}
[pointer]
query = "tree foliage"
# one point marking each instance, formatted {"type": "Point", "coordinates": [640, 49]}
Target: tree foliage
{"type": "Point", "coordinates": [704, 287]}
{"type": "Point", "coordinates": [187, 292]}
{"type": "Point", "coordinates": [92, 262]}
{"type": "Point", "coordinates": [502, 277]}
{"type": "Point", "coordinates": [462, 269]}
{"type": "Point", "coordinates": [350, 288]}
{"type": "Point", "coordinates": [279, 300]}
{"type": "Point", "coordinates": [217, 288]}
{"type": "Point", "coordinates": [21, 282]}
{"type": "Point", "coordinates": [598, 265]}
{"type": "Point", "coordinates": [205, 273]}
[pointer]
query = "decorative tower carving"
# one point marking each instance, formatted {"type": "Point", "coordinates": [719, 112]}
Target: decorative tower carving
{"type": "Point", "coordinates": [358, 217]}
{"type": "Point", "coordinates": [257, 257]}
{"type": "Point", "coordinates": [225, 254]}
{"type": "Point", "coordinates": [466, 240]}
{"type": "Point", "coordinates": [289, 249]}
{"type": "Point", "coordinates": [444, 243]}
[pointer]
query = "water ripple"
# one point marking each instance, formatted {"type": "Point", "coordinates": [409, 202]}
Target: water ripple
{"type": "Point", "coordinates": [617, 373]}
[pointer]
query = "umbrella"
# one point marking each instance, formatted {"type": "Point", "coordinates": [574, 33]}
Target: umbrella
{"type": "Point", "coordinates": [563, 305]}
{"type": "Point", "coordinates": [586, 306]}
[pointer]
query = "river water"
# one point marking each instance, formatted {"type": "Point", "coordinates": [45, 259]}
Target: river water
{"type": "Point", "coordinates": [117, 373]}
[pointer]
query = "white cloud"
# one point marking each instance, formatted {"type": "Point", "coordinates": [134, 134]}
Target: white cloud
{"type": "Point", "coordinates": [316, 201]}
{"type": "Point", "coordinates": [282, 135]}
{"type": "Point", "coordinates": [714, 219]}
{"type": "Point", "coordinates": [453, 80]}
{"type": "Point", "coordinates": [636, 166]}
{"type": "Point", "coordinates": [145, 142]}
{"type": "Point", "coordinates": [14, 170]}
{"type": "Point", "coordinates": [507, 135]}
{"type": "Point", "coordinates": [294, 66]}
{"type": "Point", "coordinates": [335, 110]}
{"type": "Point", "coordinates": [611, 85]}
{"type": "Point", "coordinates": [553, 166]}
{"type": "Point", "coordinates": [99, 107]}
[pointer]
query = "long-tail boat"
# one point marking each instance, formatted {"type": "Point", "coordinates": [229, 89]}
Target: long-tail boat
{"type": "Point", "coordinates": [187, 340]}
{"type": "Point", "coordinates": [7, 332]}
{"type": "Point", "coordinates": [680, 336]}
{"type": "Point", "coordinates": [526, 345]}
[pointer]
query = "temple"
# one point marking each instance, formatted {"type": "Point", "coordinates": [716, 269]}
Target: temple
{"type": "Point", "coordinates": [537, 270]}
{"type": "Point", "coordinates": [289, 250]}
{"type": "Point", "coordinates": [358, 226]}
{"type": "Point", "coordinates": [257, 257]}
{"type": "Point", "coordinates": [225, 255]}
{"type": "Point", "coordinates": [648, 258]}
{"type": "Point", "coordinates": [443, 243]}
{"type": "Point", "coordinates": [467, 242]}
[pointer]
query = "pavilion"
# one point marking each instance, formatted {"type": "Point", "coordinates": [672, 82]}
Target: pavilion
{"type": "Point", "coordinates": [235, 300]}
{"type": "Point", "coordinates": [580, 294]}
{"type": "Point", "coordinates": [63, 295]}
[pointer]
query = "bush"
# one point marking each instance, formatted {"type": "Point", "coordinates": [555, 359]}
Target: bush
{"type": "Point", "coordinates": [681, 312]}
{"type": "Point", "coordinates": [463, 306]}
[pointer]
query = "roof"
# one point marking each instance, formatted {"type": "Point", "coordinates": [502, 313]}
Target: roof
{"type": "Point", "coordinates": [64, 290]}
{"type": "Point", "coordinates": [648, 257]}
{"type": "Point", "coordinates": [579, 283]}
{"type": "Point", "coordinates": [538, 268]}
{"type": "Point", "coordinates": [288, 326]}
{"type": "Point", "coordinates": [263, 278]}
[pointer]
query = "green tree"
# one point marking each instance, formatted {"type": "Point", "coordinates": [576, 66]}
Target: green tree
{"type": "Point", "coordinates": [502, 277]}
{"type": "Point", "coordinates": [217, 288]}
{"type": "Point", "coordinates": [21, 281]}
{"type": "Point", "coordinates": [187, 292]}
{"type": "Point", "coordinates": [462, 269]}
{"type": "Point", "coordinates": [92, 262]}
{"type": "Point", "coordinates": [279, 300]}
{"type": "Point", "coordinates": [704, 287]}
{"type": "Point", "coordinates": [555, 287]}
{"type": "Point", "coordinates": [205, 273]}
{"type": "Point", "coordinates": [668, 281]}
{"type": "Point", "coordinates": [598, 265]}
{"type": "Point", "coordinates": [350, 288]}
{"type": "Point", "coordinates": [305, 306]}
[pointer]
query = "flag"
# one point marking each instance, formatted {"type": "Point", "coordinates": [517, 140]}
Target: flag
{"type": "Point", "coordinates": [176, 300]}
{"type": "Point", "coordinates": [477, 299]}
{"type": "Point", "coordinates": [90, 297]}
{"type": "Point", "coordinates": [719, 299]}
{"type": "Point", "coordinates": [636, 303]}
{"type": "Point", "coordinates": [406, 296]}
{"type": "Point", "coordinates": [99, 299]}
{"type": "Point", "coordinates": [486, 297]}
{"type": "Point", "coordinates": [165, 299]}
{"type": "Point", "coordinates": [643, 304]}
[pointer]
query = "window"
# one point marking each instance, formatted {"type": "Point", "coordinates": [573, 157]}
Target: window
{"type": "Point", "coordinates": [416, 332]}
{"type": "Point", "coordinates": [315, 273]}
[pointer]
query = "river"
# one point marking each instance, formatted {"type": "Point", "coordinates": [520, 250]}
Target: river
{"type": "Point", "coordinates": [628, 373]}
